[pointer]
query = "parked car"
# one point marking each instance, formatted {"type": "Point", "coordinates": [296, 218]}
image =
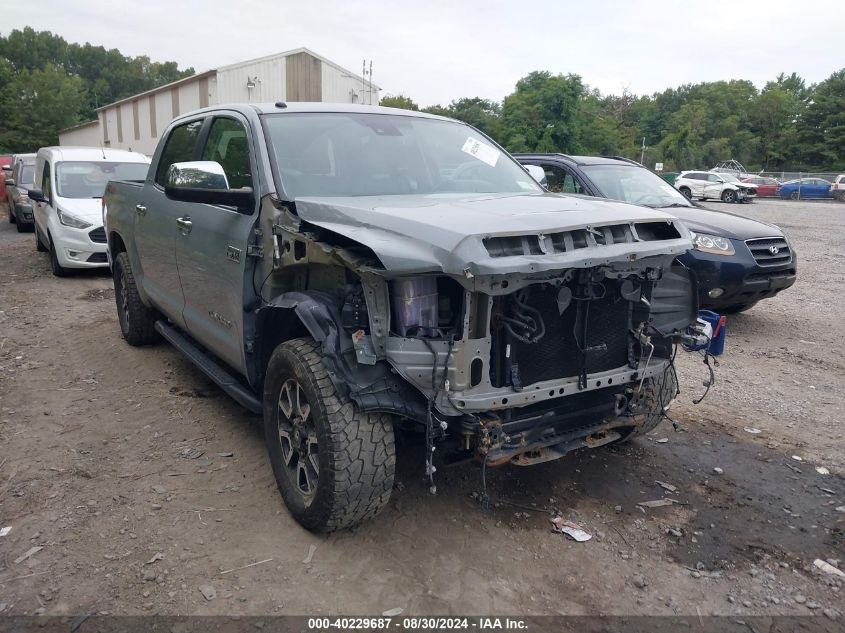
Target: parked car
{"type": "Point", "coordinates": [342, 269]}
{"type": "Point", "coordinates": [738, 261]}
{"type": "Point", "coordinates": [6, 166]}
{"type": "Point", "coordinates": [805, 188]}
{"type": "Point", "coordinates": [749, 188]}
{"type": "Point", "coordinates": [67, 206]}
{"type": "Point", "coordinates": [837, 189]}
{"type": "Point", "coordinates": [21, 180]}
{"type": "Point", "coordinates": [707, 185]}
{"type": "Point", "coordinates": [766, 187]}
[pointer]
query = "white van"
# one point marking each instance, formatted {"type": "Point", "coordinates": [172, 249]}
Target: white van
{"type": "Point", "coordinates": [67, 201]}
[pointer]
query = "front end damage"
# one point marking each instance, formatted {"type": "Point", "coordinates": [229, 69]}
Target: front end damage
{"type": "Point", "coordinates": [518, 348]}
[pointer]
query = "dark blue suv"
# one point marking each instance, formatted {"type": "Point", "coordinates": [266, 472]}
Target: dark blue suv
{"type": "Point", "coordinates": [738, 261]}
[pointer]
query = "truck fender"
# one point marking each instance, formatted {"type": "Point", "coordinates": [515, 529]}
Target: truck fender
{"type": "Point", "coordinates": [372, 387]}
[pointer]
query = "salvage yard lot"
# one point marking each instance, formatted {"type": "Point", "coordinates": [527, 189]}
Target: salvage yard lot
{"type": "Point", "coordinates": [142, 482]}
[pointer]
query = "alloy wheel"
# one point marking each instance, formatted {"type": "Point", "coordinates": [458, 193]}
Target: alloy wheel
{"type": "Point", "coordinates": [298, 439]}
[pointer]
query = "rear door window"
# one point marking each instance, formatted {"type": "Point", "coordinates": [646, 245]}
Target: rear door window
{"type": "Point", "coordinates": [227, 144]}
{"type": "Point", "coordinates": [181, 147]}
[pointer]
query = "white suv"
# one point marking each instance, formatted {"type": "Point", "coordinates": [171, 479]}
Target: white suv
{"type": "Point", "coordinates": [709, 185]}
{"type": "Point", "coordinates": [837, 189]}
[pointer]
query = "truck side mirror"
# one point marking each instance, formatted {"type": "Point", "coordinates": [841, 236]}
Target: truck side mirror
{"type": "Point", "coordinates": [36, 195]}
{"type": "Point", "coordinates": [538, 174]}
{"type": "Point", "coordinates": [205, 182]}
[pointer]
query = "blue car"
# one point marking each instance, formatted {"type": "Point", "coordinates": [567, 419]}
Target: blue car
{"type": "Point", "coordinates": [805, 188]}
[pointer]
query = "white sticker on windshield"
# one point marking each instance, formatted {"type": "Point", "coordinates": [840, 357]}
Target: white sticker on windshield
{"type": "Point", "coordinates": [481, 151]}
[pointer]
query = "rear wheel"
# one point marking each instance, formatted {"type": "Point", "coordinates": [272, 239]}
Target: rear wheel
{"type": "Point", "coordinates": [137, 321]}
{"type": "Point", "coordinates": [794, 196]}
{"type": "Point", "coordinates": [333, 464]}
{"type": "Point", "coordinates": [729, 195]}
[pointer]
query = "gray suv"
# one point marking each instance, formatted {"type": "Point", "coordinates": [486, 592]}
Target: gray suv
{"type": "Point", "coordinates": [347, 271]}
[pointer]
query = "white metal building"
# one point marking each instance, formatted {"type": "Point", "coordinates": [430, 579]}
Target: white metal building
{"type": "Point", "coordinates": [82, 135]}
{"type": "Point", "coordinates": [299, 75]}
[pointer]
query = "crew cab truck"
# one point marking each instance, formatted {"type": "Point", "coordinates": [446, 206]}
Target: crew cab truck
{"type": "Point", "coordinates": [348, 270]}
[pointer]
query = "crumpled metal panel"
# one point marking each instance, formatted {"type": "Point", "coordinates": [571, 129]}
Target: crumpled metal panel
{"type": "Point", "coordinates": [445, 233]}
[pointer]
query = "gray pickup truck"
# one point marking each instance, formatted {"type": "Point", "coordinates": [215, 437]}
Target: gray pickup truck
{"type": "Point", "coordinates": [347, 271]}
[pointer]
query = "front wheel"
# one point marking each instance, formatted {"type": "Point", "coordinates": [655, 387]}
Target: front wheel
{"type": "Point", "coordinates": [55, 266]}
{"type": "Point", "coordinates": [687, 193]}
{"type": "Point", "coordinates": [728, 195]}
{"type": "Point", "coordinates": [794, 196]}
{"type": "Point", "coordinates": [333, 464]}
{"type": "Point", "coordinates": [39, 245]}
{"type": "Point", "coordinates": [661, 392]}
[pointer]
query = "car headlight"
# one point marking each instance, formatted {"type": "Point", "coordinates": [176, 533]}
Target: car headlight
{"type": "Point", "coordinates": [713, 244]}
{"type": "Point", "coordinates": [72, 221]}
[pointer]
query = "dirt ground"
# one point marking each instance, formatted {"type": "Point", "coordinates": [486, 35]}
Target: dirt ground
{"type": "Point", "coordinates": [99, 470]}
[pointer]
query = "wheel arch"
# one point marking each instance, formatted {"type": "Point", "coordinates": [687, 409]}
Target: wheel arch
{"type": "Point", "coordinates": [316, 314]}
{"type": "Point", "coordinates": [116, 244]}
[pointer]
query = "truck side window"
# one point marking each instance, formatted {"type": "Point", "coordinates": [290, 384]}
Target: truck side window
{"type": "Point", "coordinates": [46, 183]}
{"type": "Point", "coordinates": [561, 181]}
{"type": "Point", "coordinates": [180, 148]}
{"type": "Point", "coordinates": [227, 144]}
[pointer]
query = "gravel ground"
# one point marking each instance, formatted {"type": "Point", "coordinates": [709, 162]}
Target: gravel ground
{"type": "Point", "coordinates": [110, 513]}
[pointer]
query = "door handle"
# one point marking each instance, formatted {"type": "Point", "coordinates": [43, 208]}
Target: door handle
{"type": "Point", "coordinates": [140, 209]}
{"type": "Point", "coordinates": [184, 224]}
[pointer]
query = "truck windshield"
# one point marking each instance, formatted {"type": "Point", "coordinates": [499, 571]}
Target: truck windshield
{"type": "Point", "coordinates": [636, 185]}
{"type": "Point", "coordinates": [364, 154]}
{"type": "Point", "coordinates": [80, 179]}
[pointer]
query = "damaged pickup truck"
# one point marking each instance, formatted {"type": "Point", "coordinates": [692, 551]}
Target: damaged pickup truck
{"type": "Point", "coordinates": [348, 271]}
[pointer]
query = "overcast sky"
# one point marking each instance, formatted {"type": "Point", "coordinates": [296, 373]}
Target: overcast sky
{"type": "Point", "coordinates": [438, 50]}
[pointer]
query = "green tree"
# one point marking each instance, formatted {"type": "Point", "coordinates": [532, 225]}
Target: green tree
{"type": "Point", "coordinates": [541, 115]}
{"type": "Point", "coordinates": [40, 103]}
{"type": "Point", "coordinates": [821, 131]}
{"type": "Point", "coordinates": [107, 75]}
{"type": "Point", "coordinates": [399, 101]}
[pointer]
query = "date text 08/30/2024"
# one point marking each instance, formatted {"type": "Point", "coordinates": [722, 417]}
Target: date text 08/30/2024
{"type": "Point", "coordinates": [415, 624]}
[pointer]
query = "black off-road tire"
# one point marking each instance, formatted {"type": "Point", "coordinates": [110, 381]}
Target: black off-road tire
{"type": "Point", "coordinates": [355, 451]}
{"type": "Point", "coordinates": [729, 195]}
{"type": "Point", "coordinates": [687, 193]}
{"type": "Point", "coordinates": [137, 321]}
{"type": "Point", "coordinates": [668, 385]}
{"type": "Point", "coordinates": [21, 227]}
{"type": "Point", "coordinates": [55, 266]}
{"type": "Point", "coordinates": [39, 245]}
